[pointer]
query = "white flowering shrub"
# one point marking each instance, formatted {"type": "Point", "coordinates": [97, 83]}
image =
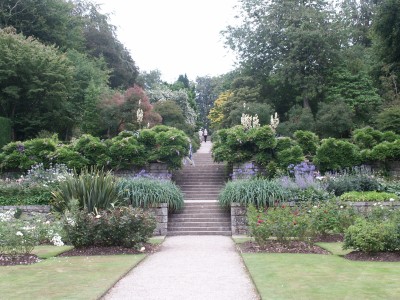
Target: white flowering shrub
{"type": "Point", "coordinates": [19, 236]}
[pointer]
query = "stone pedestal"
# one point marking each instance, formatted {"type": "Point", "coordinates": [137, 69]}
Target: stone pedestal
{"type": "Point", "coordinates": [239, 219]}
{"type": "Point", "coordinates": [161, 214]}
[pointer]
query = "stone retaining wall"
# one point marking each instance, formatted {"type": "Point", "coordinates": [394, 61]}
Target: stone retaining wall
{"type": "Point", "coordinates": [239, 219]}
{"type": "Point", "coordinates": [246, 170]}
{"type": "Point", "coordinates": [29, 210]}
{"type": "Point", "coordinates": [156, 170]}
{"type": "Point", "coordinates": [160, 212]}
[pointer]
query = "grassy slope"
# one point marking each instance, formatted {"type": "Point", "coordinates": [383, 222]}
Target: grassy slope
{"type": "Point", "coordinates": [311, 276]}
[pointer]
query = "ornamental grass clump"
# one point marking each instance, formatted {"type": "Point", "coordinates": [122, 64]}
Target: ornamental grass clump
{"type": "Point", "coordinates": [92, 188]}
{"type": "Point", "coordinates": [259, 192]}
{"type": "Point", "coordinates": [146, 192]}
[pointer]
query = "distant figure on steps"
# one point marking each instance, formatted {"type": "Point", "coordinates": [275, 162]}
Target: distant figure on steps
{"type": "Point", "coordinates": [201, 134]}
{"type": "Point", "coordinates": [205, 133]}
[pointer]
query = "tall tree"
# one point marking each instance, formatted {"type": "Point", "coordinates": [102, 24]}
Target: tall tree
{"type": "Point", "coordinates": [294, 39]}
{"type": "Point", "coordinates": [35, 85]}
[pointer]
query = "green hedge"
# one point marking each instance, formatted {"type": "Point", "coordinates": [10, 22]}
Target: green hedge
{"type": "Point", "coordinates": [127, 150]}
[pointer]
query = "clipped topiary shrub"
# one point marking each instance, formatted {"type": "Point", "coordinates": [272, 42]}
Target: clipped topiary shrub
{"type": "Point", "coordinates": [172, 145]}
{"type": "Point", "coordinates": [94, 150]}
{"type": "Point", "coordinates": [64, 154]}
{"type": "Point", "coordinates": [308, 141]}
{"type": "Point", "coordinates": [293, 155]}
{"type": "Point", "coordinates": [334, 154]}
{"type": "Point", "coordinates": [126, 152]}
{"type": "Point", "coordinates": [385, 151]}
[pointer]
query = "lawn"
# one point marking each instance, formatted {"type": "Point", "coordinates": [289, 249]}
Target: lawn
{"type": "Point", "coordinates": [65, 277]}
{"type": "Point", "coordinates": [312, 276]}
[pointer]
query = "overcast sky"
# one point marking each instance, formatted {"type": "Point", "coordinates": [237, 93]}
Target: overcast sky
{"type": "Point", "coordinates": [174, 36]}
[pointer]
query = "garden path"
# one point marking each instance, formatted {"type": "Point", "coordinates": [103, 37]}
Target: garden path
{"type": "Point", "coordinates": [189, 267]}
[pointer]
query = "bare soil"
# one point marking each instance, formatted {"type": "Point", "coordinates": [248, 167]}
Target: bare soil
{"type": "Point", "coordinates": [379, 256]}
{"type": "Point", "coordinates": [13, 260]}
{"type": "Point", "coordinates": [276, 247]}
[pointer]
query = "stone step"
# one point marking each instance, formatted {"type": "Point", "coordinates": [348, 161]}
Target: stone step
{"type": "Point", "coordinates": [203, 210]}
{"type": "Point", "coordinates": [201, 197]}
{"type": "Point", "coordinates": [205, 219]}
{"type": "Point", "coordinates": [174, 233]}
{"type": "Point", "coordinates": [176, 224]}
{"type": "Point", "coordinates": [195, 187]}
{"type": "Point", "coordinates": [194, 228]}
{"type": "Point", "coordinates": [198, 216]}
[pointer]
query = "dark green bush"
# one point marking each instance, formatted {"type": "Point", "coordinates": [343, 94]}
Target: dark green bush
{"type": "Point", "coordinates": [146, 192]}
{"type": "Point", "coordinates": [385, 151]}
{"type": "Point", "coordinates": [367, 137]}
{"type": "Point", "coordinates": [64, 154]}
{"type": "Point", "coordinates": [14, 158]}
{"type": "Point", "coordinates": [94, 150]}
{"type": "Point", "coordinates": [308, 141]}
{"type": "Point", "coordinates": [263, 137]}
{"type": "Point", "coordinates": [23, 155]}
{"type": "Point", "coordinates": [293, 155]}
{"type": "Point", "coordinates": [283, 143]}
{"type": "Point", "coordinates": [126, 152]}
{"type": "Point", "coordinates": [369, 236]}
{"type": "Point", "coordinates": [172, 146]}
{"type": "Point", "coordinates": [237, 145]}
{"type": "Point", "coordinates": [334, 154]}
{"type": "Point", "coordinates": [124, 226]}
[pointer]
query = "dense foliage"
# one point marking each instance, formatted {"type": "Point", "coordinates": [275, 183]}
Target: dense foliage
{"type": "Point", "coordinates": [124, 151]}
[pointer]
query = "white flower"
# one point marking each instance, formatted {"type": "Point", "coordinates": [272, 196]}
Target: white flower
{"type": "Point", "coordinates": [142, 249]}
{"type": "Point", "coordinates": [341, 206]}
{"type": "Point", "coordinates": [56, 240]}
{"type": "Point", "coordinates": [71, 221]}
{"type": "Point", "coordinates": [98, 217]}
{"type": "Point", "coordinates": [19, 233]}
{"type": "Point", "coordinates": [374, 204]}
{"type": "Point", "coordinates": [391, 199]}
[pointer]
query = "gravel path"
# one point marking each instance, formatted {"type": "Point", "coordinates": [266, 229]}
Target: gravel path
{"type": "Point", "coordinates": [188, 267]}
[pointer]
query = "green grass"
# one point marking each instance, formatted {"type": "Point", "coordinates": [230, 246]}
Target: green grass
{"type": "Point", "coordinates": [312, 276]}
{"type": "Point", "coordinates": [65, 277]}
{"type": "Point", "coordinates": [334, 248]}
{"type": "Point", "coordinates": [47, 251]}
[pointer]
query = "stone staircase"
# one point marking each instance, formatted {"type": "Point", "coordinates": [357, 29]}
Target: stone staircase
{"type": "Point", "coordinates": [201, 184]}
